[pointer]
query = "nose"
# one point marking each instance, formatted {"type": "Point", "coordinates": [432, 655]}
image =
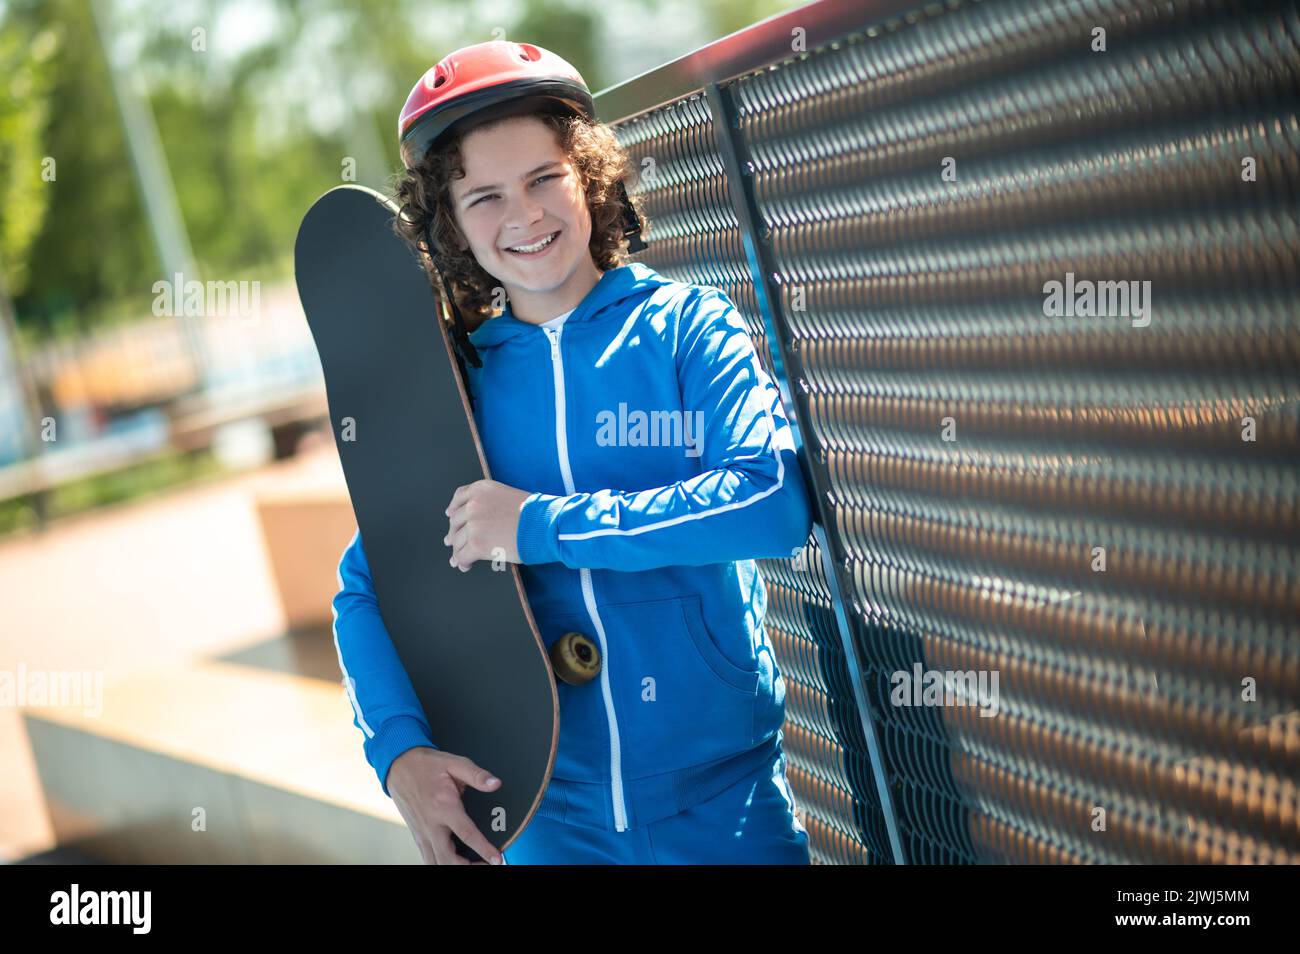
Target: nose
{"type": "Point", "coordinates": [522, 214]}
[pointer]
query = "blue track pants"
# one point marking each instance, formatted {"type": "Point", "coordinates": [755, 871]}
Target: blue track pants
{"type": "Point", "coordinates": [750, 823]}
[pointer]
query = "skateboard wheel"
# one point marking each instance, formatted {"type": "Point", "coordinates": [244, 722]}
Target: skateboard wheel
{"type": "Point", "coordinates": [575, 658]}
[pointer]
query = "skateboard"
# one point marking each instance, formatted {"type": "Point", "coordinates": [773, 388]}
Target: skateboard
{"type": "Point", "coordinates": [401, 417]}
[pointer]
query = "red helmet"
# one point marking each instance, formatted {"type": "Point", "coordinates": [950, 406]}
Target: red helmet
{"type": "Point", "coordinates": [485, 81]}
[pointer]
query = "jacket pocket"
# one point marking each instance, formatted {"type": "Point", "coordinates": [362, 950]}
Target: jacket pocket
{"type": "Point", "coordinates": [679, 700]}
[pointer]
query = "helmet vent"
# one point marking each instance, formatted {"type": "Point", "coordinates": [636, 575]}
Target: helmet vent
{"type": "Point", "coordinates": [529, 52]}
{"type": "Point", "coordinates": [436, 77]}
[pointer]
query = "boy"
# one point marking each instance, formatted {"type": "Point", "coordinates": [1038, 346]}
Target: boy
{"type": "Point", "coordinates": [672, 755]}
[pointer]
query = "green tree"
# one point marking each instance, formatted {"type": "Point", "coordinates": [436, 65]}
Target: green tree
{"type": "Point", "coordinates": [24, 119]}
{"type": "Point", "coordinates": [90, 245]}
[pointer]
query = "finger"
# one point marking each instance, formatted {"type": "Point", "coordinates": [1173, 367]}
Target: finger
{"type": "Point", "coordinates": [464, 769]}
{"type": "Point", "coordinates": [457, 537]}
{"type": "Point", "coordinates": [426, 850]}
{"type": "Point", "coordinates": [445, 851]}
{"type": "Point", "coordinates": [463, 557]}
{"type": "Point", "coordinates": [473, 838]}
{"type": "Point", "coordinates": [458, 498]}
{"type": "Point", "coordinates": [455, 500]}
{"type": "Point", "coordinates": [457, 520]}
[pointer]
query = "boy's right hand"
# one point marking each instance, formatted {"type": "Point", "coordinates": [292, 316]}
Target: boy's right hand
{"type": "Point", "coordinates": [426, 785]}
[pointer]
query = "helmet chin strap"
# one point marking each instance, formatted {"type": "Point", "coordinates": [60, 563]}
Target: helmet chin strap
{"type": "Point", "coordinates": [465, 349]}
{"type": "Point", "coordinates": [631, 222]}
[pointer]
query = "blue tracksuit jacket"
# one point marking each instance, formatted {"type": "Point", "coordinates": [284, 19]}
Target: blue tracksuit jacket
{"type": "Point", "coordinates": [661, 465]}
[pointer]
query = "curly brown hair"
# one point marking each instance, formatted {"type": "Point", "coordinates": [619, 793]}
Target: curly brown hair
{"type": "Point", "coordinates": [423, 195]}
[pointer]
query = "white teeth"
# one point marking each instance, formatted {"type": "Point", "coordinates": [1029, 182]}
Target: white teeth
{"type": "Point", "coordinates": [535, 248]}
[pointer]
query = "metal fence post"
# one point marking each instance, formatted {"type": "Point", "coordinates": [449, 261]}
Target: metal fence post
{"type": "Point", "coordinates": [786, 364]}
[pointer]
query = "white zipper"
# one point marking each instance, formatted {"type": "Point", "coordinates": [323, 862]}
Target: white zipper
{"type": "Point", "coordinates": [588, 594]}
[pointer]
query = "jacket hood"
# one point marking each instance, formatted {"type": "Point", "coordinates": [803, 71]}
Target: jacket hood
{"type": "Point", "coordinates": [615, 286]}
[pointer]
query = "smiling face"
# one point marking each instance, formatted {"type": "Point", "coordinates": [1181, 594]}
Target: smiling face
{"type": "Point", "coordinates": [520, 189]}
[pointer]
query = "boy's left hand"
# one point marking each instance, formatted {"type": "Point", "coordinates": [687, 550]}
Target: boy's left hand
{"type": "Point", "coordinates": [484, 521]}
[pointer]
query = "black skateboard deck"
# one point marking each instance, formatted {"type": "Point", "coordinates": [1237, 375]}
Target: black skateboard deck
{"type": "Point", "coordinates": [407, 439]}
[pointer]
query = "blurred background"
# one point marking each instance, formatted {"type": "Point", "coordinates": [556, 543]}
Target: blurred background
{"type": "Point", "coordinates": [168, 492]}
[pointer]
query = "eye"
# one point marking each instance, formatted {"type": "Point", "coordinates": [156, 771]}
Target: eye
{"type": "Point", "coordinates": [492, 195]}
